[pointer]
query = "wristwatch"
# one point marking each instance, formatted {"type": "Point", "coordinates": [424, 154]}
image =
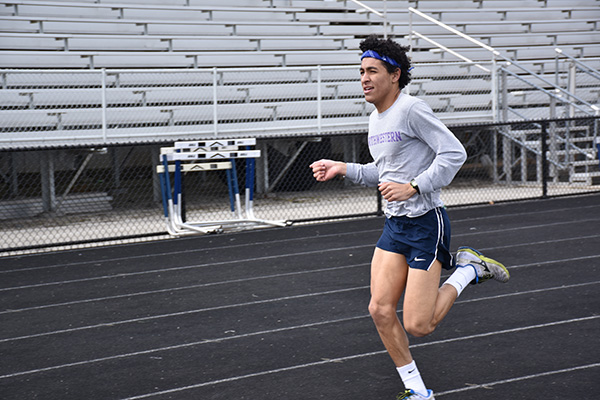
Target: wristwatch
{"type": "Point", "coordinates": [413, 183]}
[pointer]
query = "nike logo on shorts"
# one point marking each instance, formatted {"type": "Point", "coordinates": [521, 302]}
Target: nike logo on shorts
{"type": "Point", "coordinates": [419, 259]}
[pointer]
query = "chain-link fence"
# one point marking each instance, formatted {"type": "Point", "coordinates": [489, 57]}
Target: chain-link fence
{"type": "Point", "coordinates": [79, 149]}
{"type": "Point", "coordinates": [64, 197]}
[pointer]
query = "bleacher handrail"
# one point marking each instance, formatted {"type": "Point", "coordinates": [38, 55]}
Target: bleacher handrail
{"type": "Point", "coordinates": [585, 67]}
{"type": "Point", "coordinates": [496, 54]}
{"type": "Point", "coordinates": [449, 29]}
{"type": "Point", "coordinates": [366, 7]}
{"type": "Point", "coordinates": [548, 92]}
{"type": "Point", "coordinates": [383, 14]}
{"type": "Point", "coordinates": [458, 55]}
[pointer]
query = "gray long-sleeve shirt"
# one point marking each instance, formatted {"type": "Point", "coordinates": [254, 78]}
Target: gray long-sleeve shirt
{"type": "Point", "coordinates": [407, 141]}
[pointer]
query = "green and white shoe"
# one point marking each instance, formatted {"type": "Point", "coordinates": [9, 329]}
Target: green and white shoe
{"type": "Point", "coordinates": [485, 267]}
{"type": "Point", "coordinates": [409, 394]}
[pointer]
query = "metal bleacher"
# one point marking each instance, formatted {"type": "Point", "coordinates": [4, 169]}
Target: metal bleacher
{"type": "Point", "coordinates": [134, 34]}
{"type": "Point", "coordinates": [98, 87]}
{"type": "Point", "coordinates": [115, 69]}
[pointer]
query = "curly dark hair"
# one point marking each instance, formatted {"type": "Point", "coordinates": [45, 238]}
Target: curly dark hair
{"type": "Point", "coordinates": [393, 50]}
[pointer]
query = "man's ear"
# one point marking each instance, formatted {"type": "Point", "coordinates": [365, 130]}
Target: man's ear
{"type": "Point", "coordinates": [396, 75]}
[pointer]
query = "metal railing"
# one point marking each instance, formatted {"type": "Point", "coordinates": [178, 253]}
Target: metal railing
{"type": "Point", "coordinates": [495, 57]}
{"type": "Point", "coordinates": [47, 108]}
{"type": "Point", "coordinates": [383, 15]}
{"type": "Point", "coordinates": [502, 109]}
{"type": "Point", "coordinates": [50, 108]}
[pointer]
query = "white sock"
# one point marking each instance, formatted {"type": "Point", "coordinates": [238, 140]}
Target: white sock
{"type": "Point", "coordinates": [462, 276]}
{"type": "Point", "coordinates": [412, 378]}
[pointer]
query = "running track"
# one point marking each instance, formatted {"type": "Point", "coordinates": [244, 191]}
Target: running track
{"type": "Point", "coordinates": [282, 314]}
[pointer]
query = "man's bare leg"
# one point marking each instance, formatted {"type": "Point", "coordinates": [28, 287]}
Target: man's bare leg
{"type": "Point", "coordinates": [389, 272]}
{"type": "Point", "coordinates": [425, 302]}
{"type": "Point", "coordinates": [425, 305]}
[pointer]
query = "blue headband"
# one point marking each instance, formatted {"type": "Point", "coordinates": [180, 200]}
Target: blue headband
{"type": "Point", "coordinates": [374, 54]}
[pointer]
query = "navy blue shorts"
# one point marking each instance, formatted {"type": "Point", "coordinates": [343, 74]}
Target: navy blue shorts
{"type": "Point", "coordinates": [422, 240]}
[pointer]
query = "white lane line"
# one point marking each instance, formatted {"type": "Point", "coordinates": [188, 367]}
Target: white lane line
{"type": "Point", "coordinates": [189, 252]}
{"type": "Point", "coordinates": [184, 267]}
{"type": "Point", "coordinates": [182, 346]}
{"type": "Point", "coordinates": [231, 246]}
{"type": "Point", "coordinates": [223, 307]}
{"type": "Point", "coordinates": [274, 276]}
{"type": "Point", "coordinates": [188, 312]}
{"type": "Point", "coordinates": [341, 359]}
{"type": "Point", "coordinates": [128, 274]}
{"type": "Point", "coordinates": [266, 332]}
{"type": "Point", "coordinates": [525, 227]}
{"type": "Point", "coordinates": [518, 214]}
{"type": "Point", "coordinates": [178, 288]}
{"type": "Point", "coordinates": [519, 378]}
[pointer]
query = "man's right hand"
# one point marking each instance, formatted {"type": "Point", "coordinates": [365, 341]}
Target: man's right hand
{"type": "Point", "coordinates": [324, 170]}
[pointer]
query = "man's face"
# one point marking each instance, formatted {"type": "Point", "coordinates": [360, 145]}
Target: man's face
{"type": "Point", "coordinates": [379, 86]}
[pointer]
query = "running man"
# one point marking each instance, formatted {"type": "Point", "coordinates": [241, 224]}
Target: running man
{"type": "Point", "coordinates": [415, 155]}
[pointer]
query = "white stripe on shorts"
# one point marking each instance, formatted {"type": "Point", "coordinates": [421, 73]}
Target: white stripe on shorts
{"type": "Point", "coordinates": [440, 223]}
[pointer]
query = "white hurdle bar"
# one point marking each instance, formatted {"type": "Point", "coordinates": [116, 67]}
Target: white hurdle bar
{"type": "Point", "coordinates": [209, 156]}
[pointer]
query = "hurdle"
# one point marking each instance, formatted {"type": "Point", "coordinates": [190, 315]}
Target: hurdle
{"type": "Point", "coordinates": [194, 156]}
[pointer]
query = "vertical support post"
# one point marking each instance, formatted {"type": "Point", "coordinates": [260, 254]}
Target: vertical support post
{"type": "Point", "coordinates": [507, 146]}
{"type": "Point", "coordinates": [14, 174]}
{"type": "Point", "coordinates": [523, 158]}
{"type": "Point", "coordinates": [48, 183]}
{"type": "Point", "coordinates": [410, 32]}
{"type": "Point", "coordinates": [503, 92]}
{"type": "Point", "coordinates": [262, 164]}
{"type": "Point", "coordinates": [494, 79]}
{"type": "Point", "coordinates": [157, 192]}
{"type": "Point", "coordinates": [495, 155]}
{"type": "Point", "coordinates": [103, 75]}
{"type": "Point", "coordinates": [116, 167]}
{"type": "Point", "coordinates": [572, 87]}
{"type": "Point", "coordinates": [319, 100]}
{"type": "Point", "coordinates": [544, 160]}
{"type": "Point", "coordinates": [379, 203]}
{"type": "Point", "coordinates": [230, 189]}
{"type": "Point", "coordinates": [385, 23]}
{"type": "Point", "coordinates": [215, 102]}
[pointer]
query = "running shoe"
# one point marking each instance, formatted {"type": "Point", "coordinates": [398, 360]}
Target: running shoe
{"type": "Point", "coordinates": [485, 267]}
{"type": "Point", "coordinates": [409, 394]}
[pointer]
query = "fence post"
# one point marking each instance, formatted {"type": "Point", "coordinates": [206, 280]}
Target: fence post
{"type": "Point", "coordinates": [544, 160]}
{"type": "Point", "coordinates": [379, 204]}
{"type": "Point", "coordinates": [48, 180]}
